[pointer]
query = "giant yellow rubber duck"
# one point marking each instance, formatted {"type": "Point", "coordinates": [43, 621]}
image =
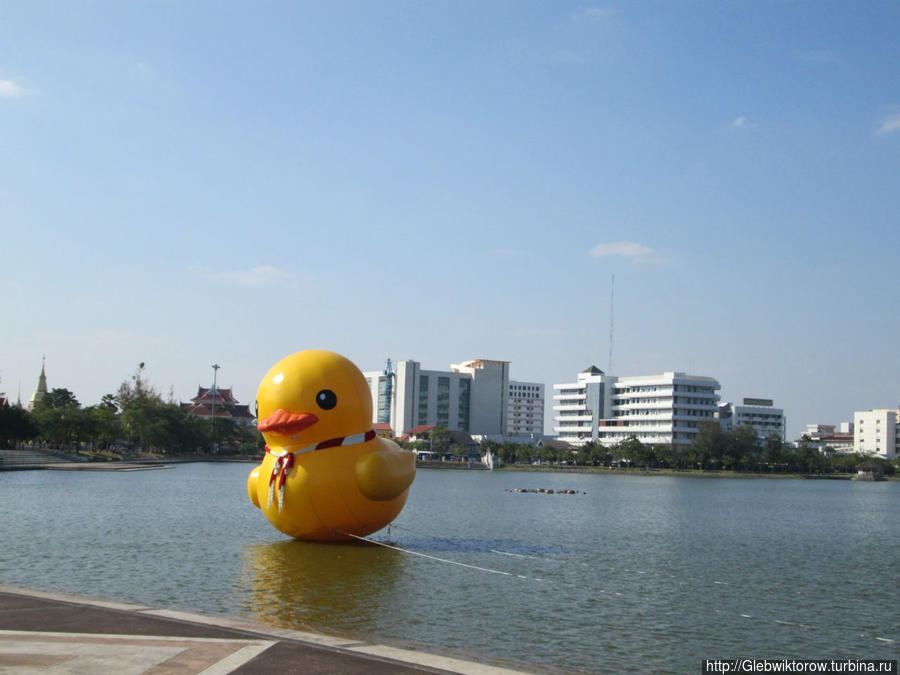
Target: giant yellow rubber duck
{"type": "Point", "coordinates": [326, 475]}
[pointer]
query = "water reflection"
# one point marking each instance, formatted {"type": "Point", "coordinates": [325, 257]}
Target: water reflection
{"type": "Point", "coordinates": [342, 587]}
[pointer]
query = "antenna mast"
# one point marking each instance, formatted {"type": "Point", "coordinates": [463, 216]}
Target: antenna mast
{"type": "Point", "coordinates": [612, 297]}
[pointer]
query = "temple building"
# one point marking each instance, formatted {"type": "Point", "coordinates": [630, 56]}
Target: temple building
{"type": "Point", "coordinates": [41, 390]}
{"type": "Point", "coordinates": [223, 402]}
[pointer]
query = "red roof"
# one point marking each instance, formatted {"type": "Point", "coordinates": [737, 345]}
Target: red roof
{"type": "Point", "coordinates": [207, 394]}
{"type": "Point", "coordinates": [422, 429]}
{"type": "Point", "coordinates": [382, 426]}
{"type": "Point", "coordinates": [225, 403]}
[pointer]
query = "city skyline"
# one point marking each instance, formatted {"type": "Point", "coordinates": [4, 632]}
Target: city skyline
{"type": "Point", "coordinates": [190, 184]}
{"type": "Point", "coordinates": [549, 401]}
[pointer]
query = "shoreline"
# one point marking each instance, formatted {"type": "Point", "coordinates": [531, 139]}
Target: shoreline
{"type": "Point", "coordinates": [152, 463]}
{"type": "Point", "coordinates": [50, 615]}
{"type": "Point", "coordinates": [620, 471]}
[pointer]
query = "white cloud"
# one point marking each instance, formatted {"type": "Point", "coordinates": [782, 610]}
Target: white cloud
{"type": "Point", "coordinates": [889, 125]}
{"type": "Point", "coordinates": [741, 123]}
{"type": "Point", "coordinates": [9, 89]}
{"type": "Point", "coordinates": [622, 249]}
{"type": "Point", "coordinates": [255, 276]}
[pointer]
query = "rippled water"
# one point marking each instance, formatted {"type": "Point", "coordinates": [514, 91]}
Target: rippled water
{"type": "Point", "coordinates": [634, 574]}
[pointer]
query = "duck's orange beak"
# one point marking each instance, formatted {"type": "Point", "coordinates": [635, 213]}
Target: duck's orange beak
{"type": "Point", "coordinates": [284, 422]}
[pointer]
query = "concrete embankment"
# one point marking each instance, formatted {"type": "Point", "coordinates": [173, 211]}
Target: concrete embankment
{"type": "Point", "coordinates": [44, 632]}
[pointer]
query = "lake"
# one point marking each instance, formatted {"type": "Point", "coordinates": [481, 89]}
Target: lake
{"type": "Point", "coordinates": [632, 574]}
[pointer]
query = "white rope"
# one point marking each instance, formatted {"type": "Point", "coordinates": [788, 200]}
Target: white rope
{"type": "Point", "coordinates": [570, 585]}
{"type": "Point", "coordinates": [431, 557]}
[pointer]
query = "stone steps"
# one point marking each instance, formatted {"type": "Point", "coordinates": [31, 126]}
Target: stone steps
{"type": "Point", "coordinates": [30, 458]}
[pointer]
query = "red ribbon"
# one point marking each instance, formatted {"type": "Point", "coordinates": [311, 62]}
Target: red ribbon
{"type": "Point", "coordinates": [282, 466]}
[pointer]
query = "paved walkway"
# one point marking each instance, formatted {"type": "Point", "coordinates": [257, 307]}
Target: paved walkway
{"type": "Point", "coordinates": [47, 633]}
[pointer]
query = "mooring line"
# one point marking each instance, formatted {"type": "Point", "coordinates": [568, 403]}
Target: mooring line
{"type": "Point", "coordinates": [763, 619]}
{"type": "Point", "coordinates": [431, 557]}
{"type": "Point", "coordinates": [493, 550]}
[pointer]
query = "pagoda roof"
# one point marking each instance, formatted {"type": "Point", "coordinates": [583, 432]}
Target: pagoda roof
{"type": "Point", "coordinates": [223, 400]}
{"type": "Point", "coordinates": [218, 393]}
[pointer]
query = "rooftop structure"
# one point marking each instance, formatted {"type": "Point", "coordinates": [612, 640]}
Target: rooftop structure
{"type": "Point", "coordinates": [41, 390]}
{"type": "Point", "coordinates": [226, 405]}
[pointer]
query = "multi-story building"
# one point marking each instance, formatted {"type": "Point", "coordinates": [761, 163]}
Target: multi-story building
{"type": "Point", "coordinates": [838, 442]}
{"type": "Point", "coordinates": [758, 413]}
{"type": "Point", "coordinates": [816, 431]}
{"type": "Point", "coordinates": [877, 432]}
{"type": "Point", "coordinates": [471, 396]}
{"type": "Point", "coordinates": [827, 437]}
{"type": "Point", "coordinates": [582, 405]}
{"type": "Point", "coordinates": [655, 409]}
{"type": "Point", "coordinates": [525, 409]}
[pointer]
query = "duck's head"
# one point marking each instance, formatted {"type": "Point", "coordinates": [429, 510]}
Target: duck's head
{"type": "Point", "coordinates": [312, 396]}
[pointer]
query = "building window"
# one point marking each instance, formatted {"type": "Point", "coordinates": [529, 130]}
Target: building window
{"type": "Point", "coordinates": [465, 390]}
{"type": "Point", "coordinates": [385, 393]}
{"type": "Point", "coordinates": [423, 400]}
{"type": "Point", "coordinates": [443, 401]}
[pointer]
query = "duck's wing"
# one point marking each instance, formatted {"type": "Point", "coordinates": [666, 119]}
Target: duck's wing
{"type": "Point", "coordinates": [252, 490]}
{"type": "Point", "coordinates": [384, 473]}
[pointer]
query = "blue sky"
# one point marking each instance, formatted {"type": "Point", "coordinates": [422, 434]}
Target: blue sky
{"type": "Point", "coordinates": [189, 183]}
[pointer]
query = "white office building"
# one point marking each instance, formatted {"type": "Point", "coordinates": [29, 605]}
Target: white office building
{"type": "Point", "coordinates": [470, 397]}
{"type": "Point", "coordinates": [525, 409]}
{"type": "Point", "coordinates": [655, 409]}
{"type": "Point", "coordinates": [758, 413]}
{"type": "Point", "coordinates": [580, 406]}
{"type": "Point", "coordinates": [877, 432]}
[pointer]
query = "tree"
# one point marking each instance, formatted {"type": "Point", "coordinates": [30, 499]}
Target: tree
{"type": "Point", "coordinates": [592, 453]}
{"type": "Point", "coordinates": [742, 444]}
{"type": "Point", "coordinates": [773, 452]}
{"type": "Point", "coordinates": [101, 424]}
{"type": "Point", "coordinates": [138, 402]}
{"type": "Point", "coordinates": [59, 417]}
{"type": "Point", "coordinates": [440, 439]}
{"type": "Point", "coordinates": [488, 446]}
{"type": "Point", "coordinates": [708, 445]}
{"type": "Point", "coordinates": [16, 424]}
{"type": "Point", "coordinates": [631, 450]}
{"type": "Point", "coordinates": [546, 453]}
{"type": "Point", "coordinates": [807, 458]}
{"type": "Point", "coordinates": [667, 455]}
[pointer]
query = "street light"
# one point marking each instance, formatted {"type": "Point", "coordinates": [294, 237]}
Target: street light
{"type": "Point", "coordinates": [212, 422]}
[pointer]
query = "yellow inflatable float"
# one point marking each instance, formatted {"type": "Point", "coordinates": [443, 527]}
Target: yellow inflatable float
{"type": "Point", "coordinates": [325, 475]}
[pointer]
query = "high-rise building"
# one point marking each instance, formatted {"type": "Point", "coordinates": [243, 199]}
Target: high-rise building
{"type": "Point", "coordinates": [655, 409]}
{"type": "Point", "coordinates": [471, 396]}
{"type": "Point", "coordinates": [525, 409]}
{"type": "Point", "coordinates": [877, 432]}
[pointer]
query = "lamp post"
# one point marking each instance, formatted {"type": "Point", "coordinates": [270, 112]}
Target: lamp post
{"type": "Point", "coordinates": [212, 421]}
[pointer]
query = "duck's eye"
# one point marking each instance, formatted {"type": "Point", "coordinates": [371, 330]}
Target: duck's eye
{"type": "Point", "coordinates": [326, 399]}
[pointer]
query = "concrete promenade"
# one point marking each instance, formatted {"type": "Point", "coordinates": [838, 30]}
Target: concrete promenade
{"type": "Point", "coordinates": [44, 632]}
